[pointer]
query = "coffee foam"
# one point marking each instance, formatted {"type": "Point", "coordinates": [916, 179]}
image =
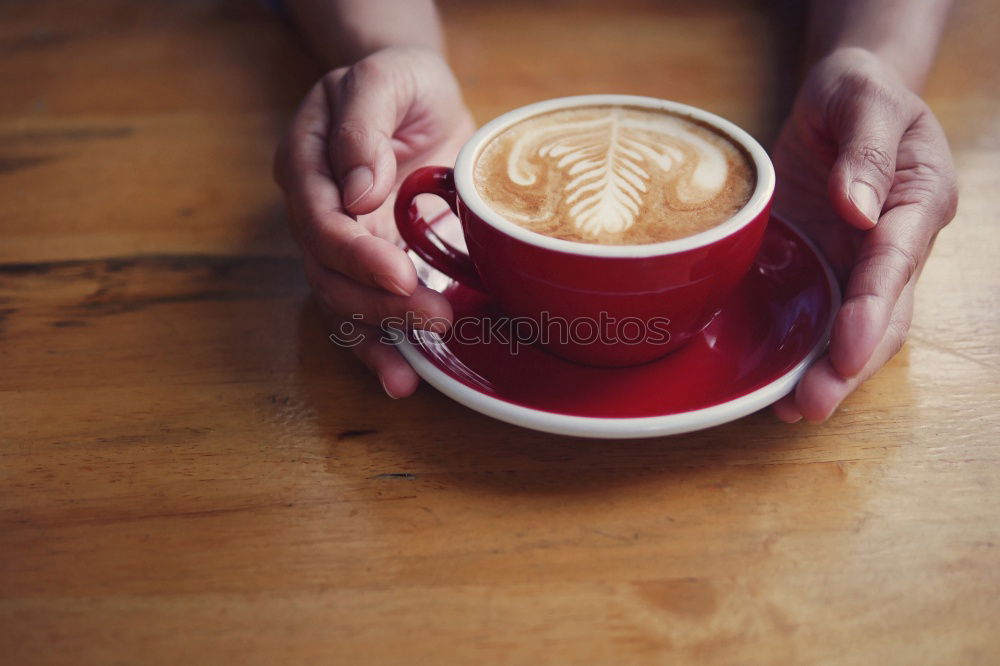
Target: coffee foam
{"type": "Point", "coordinates": [614, 175]}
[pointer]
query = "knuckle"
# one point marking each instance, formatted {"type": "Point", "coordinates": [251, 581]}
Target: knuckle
{"type": "Point", "coordinates": [906, 260]}
{"type": "Point", "coordinates": [857, 85]}
{"type": "Point", "coordinates": [856, 82]}
{"type": "Point", "coordinates": [867, 84]}
{"type": "Point", "coordinates": [940, 202]}
{"type": "Point", "coordinates": [367, 72]}
{"type": "Point", "coordinates": [889, 100]}
{"type": "Point", "coordinates": [950, 200]}
{"type": "Point", "coordinates": [350, 132]}
{"type": "Point", "coordinates": [934, 189]}
{"type": "Point", "coordinates": [884, 261]}
{"type": "Point", "coordinates": [354, 141]}
{"type": "Point", "coordinates": [877, 160]}
{"type": "Point", "coordinates": [354, 134]}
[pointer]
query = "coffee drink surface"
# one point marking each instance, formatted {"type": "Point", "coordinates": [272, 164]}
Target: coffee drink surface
{"type": "Point", "coordinates": [614, 175]}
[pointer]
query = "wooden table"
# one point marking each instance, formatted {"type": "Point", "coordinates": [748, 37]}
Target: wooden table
{"type": "Point", "coordinates": [191, 473]}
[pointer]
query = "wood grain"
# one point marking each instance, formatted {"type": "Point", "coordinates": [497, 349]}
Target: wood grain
{"type": "Point", "coordinates": [189, 471]}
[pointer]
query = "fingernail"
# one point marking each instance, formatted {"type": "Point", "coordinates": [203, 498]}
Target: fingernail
{"type": "Point", "coordinates": [866, 200]}
{"type": "Point", "coordinates": [387, 391]}
{"type": "Point", "coordinates": [358, 182]}
{"type": "Point", "coordinates": [438, 327]}
{"type": "Point", "coordinates": [389, 283]}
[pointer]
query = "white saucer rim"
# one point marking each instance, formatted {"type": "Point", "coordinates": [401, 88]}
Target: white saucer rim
{"type": "Point", "coordinates": [630, 427]}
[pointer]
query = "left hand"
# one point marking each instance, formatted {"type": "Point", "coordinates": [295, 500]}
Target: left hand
{"type": "Point", "coordinates": [864, 169]}
{"type": "Point", "coordinates": [358, 132]}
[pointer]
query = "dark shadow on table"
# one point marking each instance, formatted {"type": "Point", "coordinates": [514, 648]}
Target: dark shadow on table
{"type": "Point", "coordinates": [429, 435]}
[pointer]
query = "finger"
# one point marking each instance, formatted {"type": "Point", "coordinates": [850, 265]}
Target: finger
{"type": "Point", "coordinates": [398, 379]}
{"type": "Point", "coordinates": [366, 104]}
{"type": "Point", "coordinates": [342, 296]}
{"type": "Point", "coordinates": [786, 410]}
{"type": "Point", "coordinates": [823, 388]}
{"type": "Point", "coordinates": [317, 218]}
{"type": "Point", "coordinates": [868, 124]}
{"type": "Point", "coordinates": [888, 260]}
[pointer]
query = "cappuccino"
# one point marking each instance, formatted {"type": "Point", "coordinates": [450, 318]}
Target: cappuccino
{"type": "Point", "coordinates": [616, 175]}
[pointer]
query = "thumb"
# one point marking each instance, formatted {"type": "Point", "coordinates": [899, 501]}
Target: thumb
{"type": "Point", "coordinates": [868, 133]}
{"type": "Point", "coordinates": [364, 115]}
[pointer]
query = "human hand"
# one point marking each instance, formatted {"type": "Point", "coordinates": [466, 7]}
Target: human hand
{"type": "Point", "coordinates": [864, 169]}
{"type": "Point", "coordinates": [360, 130]}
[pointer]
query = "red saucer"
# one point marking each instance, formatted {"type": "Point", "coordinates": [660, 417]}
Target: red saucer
{"type": "Point", "coordinates": [752, 354]}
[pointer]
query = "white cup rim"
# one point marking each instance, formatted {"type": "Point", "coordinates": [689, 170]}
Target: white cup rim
{"type": "Point", "coordinates": [759, 199]}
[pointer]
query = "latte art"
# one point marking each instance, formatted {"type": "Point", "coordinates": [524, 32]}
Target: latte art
{"type": "Point", "coordinates": [617, 175]}
{"type": "Point", "coordinates": [609, 160]}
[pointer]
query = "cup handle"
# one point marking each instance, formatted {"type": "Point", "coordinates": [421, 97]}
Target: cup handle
{"type": "Point", "coordinates": [418, 234]}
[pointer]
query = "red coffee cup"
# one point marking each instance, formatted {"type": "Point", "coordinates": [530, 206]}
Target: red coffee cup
{"type": "Point", "coordinates": [607, 305]}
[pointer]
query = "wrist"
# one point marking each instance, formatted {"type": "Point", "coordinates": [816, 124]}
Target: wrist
{"type": "Point", "coordinates": [362, 48]}
{"type": "Point", "coordinates": [886, 59]}
{"type": "Point", "coordinates": [901, 34]}
{"type": "Point", "coordinates": [342, 32]}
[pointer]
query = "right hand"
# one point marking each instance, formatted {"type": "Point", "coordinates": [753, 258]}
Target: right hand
{"type": "Point", "coordinates": [358, 132]}
{"type": "Point", "coordinates": [865, 171]}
